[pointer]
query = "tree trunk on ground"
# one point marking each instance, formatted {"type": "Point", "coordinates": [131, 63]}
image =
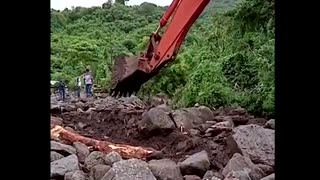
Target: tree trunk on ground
{"type": "Point", "coordinates": [126, 151]}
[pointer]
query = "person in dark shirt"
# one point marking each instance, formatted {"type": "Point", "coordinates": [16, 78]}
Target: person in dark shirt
{"type": "Point", "coordinates": [62, 90]}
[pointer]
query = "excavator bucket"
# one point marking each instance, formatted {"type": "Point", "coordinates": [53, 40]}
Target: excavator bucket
{"type": "Point", "coordinates": [127, 78]}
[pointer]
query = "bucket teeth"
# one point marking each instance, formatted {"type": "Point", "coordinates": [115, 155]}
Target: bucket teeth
{"type": "Point", "coordinates": [125, 76]}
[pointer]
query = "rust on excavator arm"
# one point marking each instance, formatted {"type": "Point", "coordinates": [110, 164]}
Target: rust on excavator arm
{"type": "Point", "coordinates": [130, 72]}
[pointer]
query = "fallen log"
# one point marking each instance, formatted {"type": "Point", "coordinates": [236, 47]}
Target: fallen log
{"type": "Point", "coordinates": [126, 151]}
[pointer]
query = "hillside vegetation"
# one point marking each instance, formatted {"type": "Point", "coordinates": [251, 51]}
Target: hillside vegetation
{"type": "Point", "coordinates": [227, 58]}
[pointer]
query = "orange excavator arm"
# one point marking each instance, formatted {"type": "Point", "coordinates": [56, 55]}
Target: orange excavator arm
{"type": "Point", "coordinates": [129, 73]}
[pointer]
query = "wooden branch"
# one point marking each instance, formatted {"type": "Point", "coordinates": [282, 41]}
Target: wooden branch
{"type": "Point", "coordinates": [126, 151]}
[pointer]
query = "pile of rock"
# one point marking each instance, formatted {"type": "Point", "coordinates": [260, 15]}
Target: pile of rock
{"type": "Point", "coordinates": [241, 146]}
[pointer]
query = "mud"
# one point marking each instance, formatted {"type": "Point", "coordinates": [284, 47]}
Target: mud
{"type": "Point", "coordinates": [121, 128]}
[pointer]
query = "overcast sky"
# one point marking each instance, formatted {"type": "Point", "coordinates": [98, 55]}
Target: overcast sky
{"type": "Point", "coordinates": [61, 4]}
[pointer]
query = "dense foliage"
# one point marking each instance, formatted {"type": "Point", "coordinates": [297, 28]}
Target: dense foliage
{"type": "Point", "coordinates": [227, 58]}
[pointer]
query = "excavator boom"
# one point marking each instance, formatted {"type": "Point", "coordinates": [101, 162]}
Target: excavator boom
{"type": "Point", "coordinates": [129, 72]}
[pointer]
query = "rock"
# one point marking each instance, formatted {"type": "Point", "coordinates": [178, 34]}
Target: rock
{"type": "Point", "coordinates": [225, 126]}
{"type": "Point", "coordinates": [70, 129]}
{"type": "Point", "coordinates": [240, 163]}
{"type": "Point", "coordinates": [191, 177]}
{"type": "Point", "coordinates": [62, 166]}
{"type": "Point", "coordinates": [73, 99]}
{"type": "Point", "coordinates": [56, 120]}
{"type": "Point", "coordinates": [203, 127]}
{"type": "Point", "coordinates": [82, 125]}
{"type": "Point", "coordinates": [132, 169]}
{"type": "Point", "coordinates": [221, 157]}
{"type": "Point", "coordinates": [187, 119]}
{"type": "Point", "coordinates": [194, 132]}
{"type": "Point", "coordinates": [75, 175]}
{"type": "Point", "coordinates": [98, 171]}
{"type": "Point", "coordinates": [155, 101]}
{"type": "Point", "coordinates": [164, 107]}
{"type": "Point", "coordinates": [222, 118]}
{"type": "Point", "coordinates": [196, 164]}
{"type": "Point", "coordinates": [210, 175]}
{"type": "Point", "coordinates": [215, 178]}
{"type": "Point", "coordinates": [203, 112]}
{"type": "Point", "coordinates": [94, 158]}
{"type": "Point", "coordinates": [165, 169]}
{"type": "Point", "coordinates": [80, 105]}
{"type": "Point", "coordinates": [82, 151]}
{"type": "Point", "coordinates": [231, 111]}
{"type": "Point", "coordinates": [270, 177]}
{"type": "Point", "coordinates": [55, 109]}
{"type": "Point", "coordinates": [211, 122]}
{"type": "Point", "coordinates": [257, 121]}
{"type": "Point", "coordinates": [239, 120]}
{"type": "Point", "coordinates": [100, 107]}
{"type": "Point", "coordinates": [62, 148]}
{"type": "Point", "coordinates": [111, 158]}
{"type": "Point", "coordinates": [266, 169]}
{"type": "Point", "coordinates": [80, 110]}
{"type": "Point", "coordinates": [69, 108]}
{"type": "Point", "coordinates": [255, 142]}
{"type": "Point", "coordinates": [156, 120]}
{"type": "Point", "coordinates": [270, 124]}
{"type": "Point", "coordinates": [53, 101]}
{"type": "Point", "coordinates": [238, 175]}
{"type": "Point", "coordinates": [55, 156]}
{"type": "Point", "coordinates": [131, 122]}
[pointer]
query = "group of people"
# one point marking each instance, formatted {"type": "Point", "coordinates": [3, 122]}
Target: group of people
{"type": "Point", "coordinates": [88, 81]}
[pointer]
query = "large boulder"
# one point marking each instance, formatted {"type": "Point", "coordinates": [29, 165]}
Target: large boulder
{"type": "Point", "coordinates": [62, 148]}
{"type": "Point", "coordinates": [165, 169]}
{"type": "Point", "coordinates": [238, 175]}
{"type": "Point", "coordinates": [210, 175]}
{"type": "Point", "coordinates": [55, 156]}
{"type": "Point", "coordinates": [240, 163]}
{"type": "Point", "coordinates": [266, 169]}
{"type": "Point", "coordinates": [56, 120]}
{"type": "Point", "coordinates": [55, 109]}
{"type": "Point", "coordinates": [62, 166]}
{"type": "Point", "coordinates": [75, 175]}
{"type": "Point", "coordinates": [270, 124]}
{"type": "Point", "coordinates": [98, 171]}
{"type": "Point", "coordinates": [189, 118]}
{"type": "Point", "coordinates": [203, 112]}
{"type": "Point", "coordinates": [82, 151]}
{"type": "Point", "coordinates": [196, 164]}
{"type": "Point", "coordinates": [94, 158]}
{"type": "Point", "coordinates": [132, 169]}
{"type": "Point", "coordinates": [270, 177]}
{"type": "Point", "coordinates": [111, 158]}
{"type": "Point", "coordinates": [156, 121]}
{"type": "Point", "coordinates": [255, 142]}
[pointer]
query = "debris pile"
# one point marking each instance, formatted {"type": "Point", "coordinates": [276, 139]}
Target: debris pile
{"type": "Point", "coordinates": [126, 138]}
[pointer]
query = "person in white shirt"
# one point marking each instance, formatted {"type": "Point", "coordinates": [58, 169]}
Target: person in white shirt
{"type": "Point", "coordinates": [88, 80]}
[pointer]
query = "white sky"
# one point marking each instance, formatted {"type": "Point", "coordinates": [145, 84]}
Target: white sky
{"type": "Point", "coordinates": [62, 4]}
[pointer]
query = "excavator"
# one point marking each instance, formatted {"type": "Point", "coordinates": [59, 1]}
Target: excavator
{"type": "Point", "coordinates": [129, 73]}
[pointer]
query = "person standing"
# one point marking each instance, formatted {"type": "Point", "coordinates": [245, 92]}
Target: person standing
{"type": "Point", "coordinates": [78, 86]}
{"type": "Point", "coordinates": [62, 91]}
{"type": "Point", "coordinates": [88, 80]}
